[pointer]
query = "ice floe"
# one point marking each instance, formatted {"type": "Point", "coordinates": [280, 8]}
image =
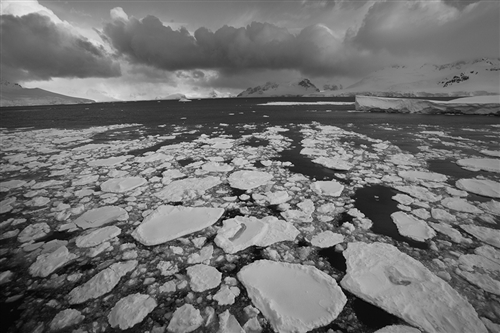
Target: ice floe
{"type": "Point", "coordinates": [247, 180]}
{"type": "Point", "coordinates": [460, 205]}
{"type": "Point", "coordinates": [101, 283]}
{"type": "Point", "coordinates": [189, 188]}
{"type": "Point", "coordinates": [386, 277]}
{"type": "Point", "coordinates": [412, 227]}
{"type": "Point", "coordinates": [203, 277]}
{"type": "Point", "coordinates": [293, 298]}
{"type": "Point", "coordinates": [121, 185]}
{"type": "Point", "coordinates": [110, 161]}
{"type": "Point", "coordinates": [185, 319]}
{"type": "Point", "coordinates": [487, 164]}
{"type": "Point", "coordinates": [100, 216]}
{"type": "Point", "coordinates": [422, 175]}
{"type": "Point", "coordinates": [486, 187]}
{"type": "Point", "coordinates": [33, 232]}
{"type": "Point", "coordinates": [170, 222]}
{"type": "Point", "coordinates": [240, 233]}
{"type": "Point", "coordinates": [333, 163]}
{"type": "Point", "coordinates": [66, 318]}
{"type": "Point", "coordinates": [131, 310]}
{"type": "Point", "coordinates": [97, 236]}
{"type": "Point", "coordinates": [329, 188]}
{"type": "Point", "coordinates": [47, 263]}
{"type": "Point", "coordinates": [327, 239]}
{"type": "Point", "coordinates": [484, 234]}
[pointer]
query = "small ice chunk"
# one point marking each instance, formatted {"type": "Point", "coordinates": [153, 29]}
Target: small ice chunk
{"type": "Point", "coordinates": [334, 163]}
{"type": "Point", "coordinates": [185, 319]}
{"type": "Point", "coordinates": [66, 318]}
{"type": "Point", "coordinates": [229, 324]}
{"type": "Point", "coordinates": [203, 277]}
{"type": "Point", "coordinates": [327, 239]}
{"type": "Point", "coordinates": [33, 232]}
{"type": "Point", "coordinates": [131, 310]}
{"type": "Point", "coordinates": [328, 188]}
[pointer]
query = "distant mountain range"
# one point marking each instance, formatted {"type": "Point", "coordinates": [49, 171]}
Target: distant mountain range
{"type": "Point", "coordinates": [463, 78]}
{"type": "Point", "coordinates": [292, 89]}
{"type": "Point", "coordinates": [12, 94]}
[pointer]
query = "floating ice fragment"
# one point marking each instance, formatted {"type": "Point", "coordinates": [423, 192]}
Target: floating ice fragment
{"type": "Point", "coordinates": [240, 233]}
{"type": "Point", "coordinates": [170, 222]}
{"type": "Point", "coordinates": [97, 236]}
{"type": "Point", "coordinates": [329, 188]}
{"type": "Point", "coordinates": [327, 239]}
{"type": "Point", "coordinates": [334, 163]}
{"type": "Point", "coordinates": [101, 283]}
{"type": "Point", "coordinates": [412, 227]}
{"type": "Point", "coordinates": [33, 232]}
{"type": "Point", "coordinates": [121, 185]}
{"type": "Point", "coordinates": [419, 192]}
{"type": "Point", "coordinates": [293, 298]}
{"type": "Point", "coordinates": [111, 161]}
{"type": "Point", "coordinates": [47, 263]}
{"type": "Point", "coordinates": [460, 205]}
{"type": "Point", "coordinates": [421, 175]}
{"type": "Point", "coordinates": [484, 234]}
{"type": "Point", "coordinates": [66, 318]}
{"type": "Point", "coordinates": [382, 275]}
{"type": "Point", "coordinates": [485, 187]}
{"type": "Point", "coordinates": [11, 184]}
{"type": "Point", "coordinates": [203, 277]}
{"type": "Point", "coordinates": [487, 164]}
{"type": "Point", "coordinates": [185, 319]}
{"type": "Point", "coordinates": [131, 310]}
{"type": "Point", "coordinates": [398, 329]}
{"type": "Point", "coordinates": [189, 188]}
{"type": "Point", "coordinates": [103, 215]}
{"type": "Point", "coordinates": [229, 324]}
{"type": "Point", "coordinates": [246, 180]}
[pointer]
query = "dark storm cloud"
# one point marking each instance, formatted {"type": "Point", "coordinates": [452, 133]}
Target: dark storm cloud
{"type": "Point", "coordinates": [34, 48]}
{"type": "Point", "coordinates": [431, 28]}
{"type": "Point", "coordinates": [229, 50]}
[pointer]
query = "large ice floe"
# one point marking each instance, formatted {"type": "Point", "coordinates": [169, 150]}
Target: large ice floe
{"type": "Point", "coordinates": [384, 276]}
{"type": "Point", "coordinates": [487, 164]}
{"type": "Point", "coordinates": [478, 105]}
{"type": "Point", "coordinates": [293, 298]}
{"type": "Point", "coordinates": [485, 187]}
{"type": "Point", "coordinates": [100, 216]}
{"type": "Point", "coordinates": [241, 232]}
{"type": "Point", "coordinates": [170, 222]}
{"type": "Point", "coordinates": [120, 185]}
{"type": "Point", "coordinates": [189, 188]}
{"type": "Point", "coordinates": [412, 227]}
{"type": "Point", "coordinates": [246, 180]}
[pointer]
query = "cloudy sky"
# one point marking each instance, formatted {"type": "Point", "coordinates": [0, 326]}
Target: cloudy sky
{"type": "Point", "coordinates": [143, 49]}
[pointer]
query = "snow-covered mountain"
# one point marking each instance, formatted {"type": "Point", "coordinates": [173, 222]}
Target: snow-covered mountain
{"type": "Point", "coordinates": [292, 89]}
{"type": "Point", "coordinates": [176, 96]}
{"type": "Point", "coordinates": [12, 94]}
{"type": "Point", "coordinates": [463, 78]}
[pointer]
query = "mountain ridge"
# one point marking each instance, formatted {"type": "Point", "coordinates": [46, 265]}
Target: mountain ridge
{"type": "Point", "coordinates": [13, 94]}
{"type": "Point", "coordinates": [272, 89]}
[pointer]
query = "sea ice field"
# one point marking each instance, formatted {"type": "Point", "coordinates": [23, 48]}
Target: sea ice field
{"type": "Point", "coordinates": [250, 217]}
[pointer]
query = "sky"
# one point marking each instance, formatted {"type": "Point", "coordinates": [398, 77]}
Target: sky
{"type": "Point", "coordinates": [135, 50]}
